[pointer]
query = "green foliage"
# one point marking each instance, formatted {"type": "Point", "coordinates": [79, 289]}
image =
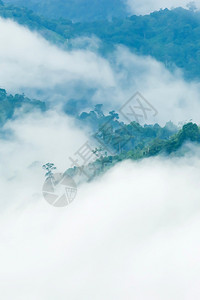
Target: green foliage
{"type": "Point", "coordinates": [170, 36]}
{"type": "Point", "coordinates": [189, 133]}
{"type": "Point", "coordinates": [79, 10]}
{"type": "Point", "coordinates": [119, 141]}
{"type": "Point", "coordinates": [119, 137]}
{"type": "Point", "coordinates": [10, 104]}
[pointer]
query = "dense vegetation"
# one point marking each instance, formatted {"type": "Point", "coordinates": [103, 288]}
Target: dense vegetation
{"type": "Point", "coordinates": [10, 104]}
{"type": "Point", "coordinates": [79, 10]}
{"type": "Point", "coordinates": [147, 141]}
{"type": "Point", "coordinates": [116, 141]}
{"type": "Point", "coordinates": [116, 136]}
{"type": "Point", "coordinates": [171, 36]}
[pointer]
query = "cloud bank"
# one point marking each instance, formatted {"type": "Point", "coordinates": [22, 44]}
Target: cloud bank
{"type": "Point", "coordinates": [133, 234]}
{"type": "Point", "coordinates": [30, 64]}
{"type": "Point", "coordinates": [27, 61]}
{"type": "Point", "coordinates": [32, 141]}
{"type": "Point", "coordinates": [174, 98]}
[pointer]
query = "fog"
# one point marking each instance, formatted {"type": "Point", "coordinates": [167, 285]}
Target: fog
{"type": "Point", "coordinates": [174, 98]}
{"type": "Point", "coordinates": [31, 65]}
{"type": "Point", "coordinates": [32, 141]}
{"type": "Point", "coordinates": [148, 6]}
{"type": "Point", "coordinates": [29, 61]}
{"type": "Point", "coordinates": [130, 234]}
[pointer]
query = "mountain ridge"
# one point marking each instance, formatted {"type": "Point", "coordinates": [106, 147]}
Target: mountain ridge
{"type": "Point", "coordinates": [169, 36]}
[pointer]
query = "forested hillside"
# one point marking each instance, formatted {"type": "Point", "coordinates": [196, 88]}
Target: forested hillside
{"type": "Point", "coordinates": [170, 36]}
{"type": "Point", "coordinates": [9, 104]}
{"type": "Point", "coordinates": [135, 142]}
{"type": "Point", "coordinates": [78, 10]}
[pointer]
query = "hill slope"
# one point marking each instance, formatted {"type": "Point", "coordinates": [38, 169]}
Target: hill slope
{"type": "Point", "coordinates": [170, 36]}
{"type": "Point", "coordinates": [79, 10]}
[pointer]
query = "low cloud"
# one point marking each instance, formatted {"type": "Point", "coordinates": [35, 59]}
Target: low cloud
{"type": "Point", "coordinates": [32, 141]}
{"type": "Point", "coordinates": [30, 64]}
{"type": "Point", "coordinates": [27, 61]}
{"type": "Point", "coordinates": [132, 234]}
{"type": "Point", "coordinates": [174, 98]}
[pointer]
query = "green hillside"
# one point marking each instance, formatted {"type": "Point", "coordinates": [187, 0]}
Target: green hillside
{"type": "Point", "coordinates": [170, 36]}
{"type": "Point", "coordinates": [78, 10]}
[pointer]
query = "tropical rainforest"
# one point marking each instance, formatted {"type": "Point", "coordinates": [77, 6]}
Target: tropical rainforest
{"type": "Point", "coordinates": [99, 149]}
{"type": "Point", "coordinates": [170, 36]}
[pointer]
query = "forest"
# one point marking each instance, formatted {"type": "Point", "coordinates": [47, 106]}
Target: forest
{"type": "Point", "coordinates": [170, 36]}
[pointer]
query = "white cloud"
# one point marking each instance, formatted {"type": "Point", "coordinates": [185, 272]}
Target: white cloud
{"type": "Point", "coordinates": [133, 234]}
{"type": "Point", "coordinates": [35, 140]}
{"type": "Point", "coordinates": [147, 6]}
{"type": "Point", "coordinates": [174, 98]}
{"type": "Point", "coordinates": [27, 61]}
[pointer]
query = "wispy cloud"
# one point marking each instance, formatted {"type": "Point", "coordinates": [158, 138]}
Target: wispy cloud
{"type": "Point", "coordinates": [147, 6]}
{"type": "Point", "coordinates": [27, 61]}
{"type": "Point", "coordinates": [30, 64]}
{"type": "Point", "coordinates": [131, 234]}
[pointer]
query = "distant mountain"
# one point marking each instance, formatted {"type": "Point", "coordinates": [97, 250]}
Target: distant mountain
{"type": "Point", "coordinates": [170, 36]}
{"type": "Point", "coordinates": [77, 10]}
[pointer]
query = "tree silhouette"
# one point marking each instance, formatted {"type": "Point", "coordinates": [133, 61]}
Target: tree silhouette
{"type": "Point", "coordinates": [49, 167]}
